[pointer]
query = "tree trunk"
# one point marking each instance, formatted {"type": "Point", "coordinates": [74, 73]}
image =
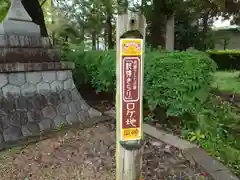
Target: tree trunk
{"type": "Point", "coordinates": [52, 21]}
{"type": "Point", "coordinates": [109, 31]}
{"type": "Point", "coordinates": [157, 26]}
{"type": "Point", "coordinates": [66, 39]}
{"type": "Point", "coordinates": [105, 38]}
{"type": "Point", "coordinates": [94, 39]}
{"type": "Point", "coordinates": [170, 25]}
{"type": "Point", "coordinates": [35, 12]}
{"type": "Point", "coordinates": [205, 29]}
{"type": "Point", "coordinates": [98, 42]}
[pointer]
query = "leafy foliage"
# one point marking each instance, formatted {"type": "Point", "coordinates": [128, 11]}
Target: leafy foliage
{"type": "Point", "coordinates": [216, 129]}
{"type": "Point", "coordinates": [4, 6]}
{"type": "Point", "coordinates": [178, 81]}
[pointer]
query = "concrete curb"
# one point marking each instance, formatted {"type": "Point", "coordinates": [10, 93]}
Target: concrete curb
{"type": "Point", "coordinates": [190, 151]}
{"type": "Point", "coordinates": [193, 153]}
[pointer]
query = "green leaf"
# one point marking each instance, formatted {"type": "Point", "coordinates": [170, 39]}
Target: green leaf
{"type": "Point", "coordinates": [193, 138]}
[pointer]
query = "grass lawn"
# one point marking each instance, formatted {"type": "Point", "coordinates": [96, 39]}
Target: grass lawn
{"type": "Point", "coordinates": [224, 118]}
{"type": "Point", "coordinates": [227, 81]}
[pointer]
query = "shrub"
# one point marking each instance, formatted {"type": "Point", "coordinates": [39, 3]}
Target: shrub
{"type": "Point", "coordinates": [229, 59]}
{"type": "Point", "coordinates": [177, 81]}
{"type": "Point", "coordinates": [219, 122]}
{"type": "Point", "coordinates": [77, 55]}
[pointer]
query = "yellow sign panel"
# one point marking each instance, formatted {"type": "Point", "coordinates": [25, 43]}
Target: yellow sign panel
{"type": "Point", "coordinates": [131, 47]}
{"type": "Point", "coordinates": [131, 134]}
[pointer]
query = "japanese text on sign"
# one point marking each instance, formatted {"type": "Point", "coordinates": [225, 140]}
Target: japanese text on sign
{"type": "Point", "coordinates": [131, 134]}
{"type": "Point", "coordinates": [131, 114]}
{"type": "Point", "coordinates": [131, 122]}
{"type": "Point", "coordinates": [130, 61]}
{"type": "Point", "coordinates": [131, 75]}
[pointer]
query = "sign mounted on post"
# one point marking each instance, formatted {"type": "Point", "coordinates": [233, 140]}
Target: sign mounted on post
{"type": "Point", "coordinates": [131, 76]}
{"type": "Point", "coordinates": [130, 40]}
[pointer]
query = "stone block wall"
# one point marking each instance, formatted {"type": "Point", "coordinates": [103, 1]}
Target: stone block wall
{"type": "Point", "coordinates": [31, 102]}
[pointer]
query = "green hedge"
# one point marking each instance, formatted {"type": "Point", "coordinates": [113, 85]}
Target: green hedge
{"type": "Point", "coordinates": [226, 60]}
{"type": "Point", "coordinates": [178, 81]}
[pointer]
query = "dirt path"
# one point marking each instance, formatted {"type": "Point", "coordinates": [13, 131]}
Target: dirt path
{"type": "Point", "coordinates": [88, 154]}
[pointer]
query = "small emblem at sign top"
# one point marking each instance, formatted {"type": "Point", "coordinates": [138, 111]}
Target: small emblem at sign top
{"type": "Point", "coordinates": [131, 47]}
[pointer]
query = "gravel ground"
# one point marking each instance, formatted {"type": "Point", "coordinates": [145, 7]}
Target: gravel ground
{"type": "Point", "coordinates": [89, 154]}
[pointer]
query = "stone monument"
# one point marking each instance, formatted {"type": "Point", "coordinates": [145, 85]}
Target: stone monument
{"type": "Point", "coordinates": [37, 92]}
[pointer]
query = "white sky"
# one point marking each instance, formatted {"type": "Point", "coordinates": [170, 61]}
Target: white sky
{"type": "Point", "coordinates": [221, 23]}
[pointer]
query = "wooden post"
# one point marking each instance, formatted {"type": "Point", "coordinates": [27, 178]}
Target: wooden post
{"type": "Point", "coordinates": [130, 40]}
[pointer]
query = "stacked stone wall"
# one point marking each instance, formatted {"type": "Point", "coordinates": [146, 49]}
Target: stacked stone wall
{"type": "Point", "coordinates": [33, 102]}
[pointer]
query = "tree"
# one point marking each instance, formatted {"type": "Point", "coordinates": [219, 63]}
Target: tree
{"type": "Point", "coordinates": [34, 10]}
{"type": "Point", "coordinates": [92, 21]}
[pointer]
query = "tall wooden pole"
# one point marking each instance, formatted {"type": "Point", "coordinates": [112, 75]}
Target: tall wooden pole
{"type": "Point", "coordinates": [130, 40]}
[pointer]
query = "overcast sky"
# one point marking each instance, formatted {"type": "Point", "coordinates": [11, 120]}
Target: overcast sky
{"type": "Point", "coordinates": [221, 23]}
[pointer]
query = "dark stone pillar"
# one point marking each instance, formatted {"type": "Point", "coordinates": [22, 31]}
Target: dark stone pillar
{"type": "Point", "coordinates": [37, 92]}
